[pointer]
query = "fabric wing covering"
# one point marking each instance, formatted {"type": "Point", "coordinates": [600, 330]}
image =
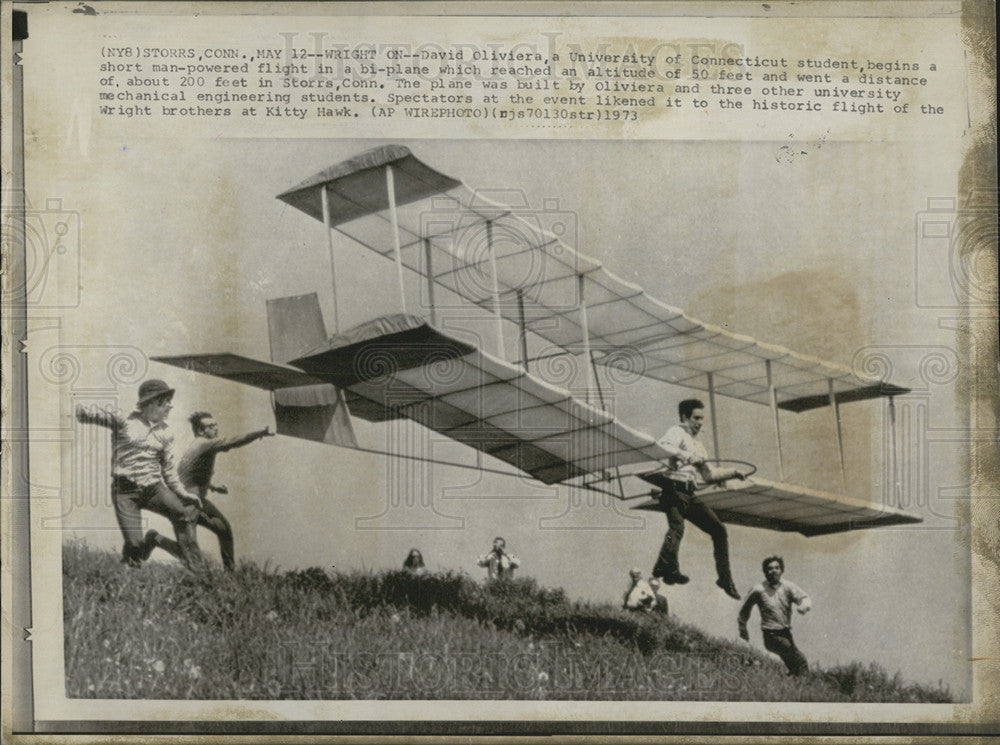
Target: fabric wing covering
{"type": "Point", "coordinates": [310, 412]}
{"type": "Point", "coordinates": [407, 368]}
{"type": "Point", "coordinates": [399, 367]}
{"type": "Point", "coordinates": [538, 274]}
{"type": "Point", "coordinates": [759, 503]}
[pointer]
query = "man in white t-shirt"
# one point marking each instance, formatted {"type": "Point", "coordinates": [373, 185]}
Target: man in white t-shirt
{"type": "Point", "coordinates": [690, 471]}
{"type": "Point", "coordinates": [775, 598]}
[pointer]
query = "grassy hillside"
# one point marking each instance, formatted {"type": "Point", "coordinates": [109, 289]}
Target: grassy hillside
{"type": "Point", "coordinates": [161, 632]}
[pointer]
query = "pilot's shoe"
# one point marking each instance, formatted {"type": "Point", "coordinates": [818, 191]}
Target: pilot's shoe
{"type": "Point", "coordinates": [729, 588]}
{"type": "Point", "coordinates": [675, 578]}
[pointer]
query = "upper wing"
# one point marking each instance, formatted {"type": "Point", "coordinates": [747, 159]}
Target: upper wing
{"type": "Point", "coordinates": [445, 230]}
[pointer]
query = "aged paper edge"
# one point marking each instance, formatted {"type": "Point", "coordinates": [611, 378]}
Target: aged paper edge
{"type": "Point", "coordinates": [977, 339]}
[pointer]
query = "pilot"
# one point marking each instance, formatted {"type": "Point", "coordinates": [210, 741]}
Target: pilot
{"type": "Point", "coordinates": [678, 500]}
{"type": "Point", "coordinates": [775, 598]}
{"type": "Point", "coordinates": [143, 477]}
{"type": "Point", "coordinates": [499, 564]}
{"type": "Point", "coordinates": [196, 469]}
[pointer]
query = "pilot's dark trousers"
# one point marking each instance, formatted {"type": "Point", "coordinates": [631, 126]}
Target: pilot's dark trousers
{"type": "Point", "coordinates": [680, 503]}
{"type": "Point", "coordinates": [211, 517]}
{"type": "Point", "coordinates": [780, 642]}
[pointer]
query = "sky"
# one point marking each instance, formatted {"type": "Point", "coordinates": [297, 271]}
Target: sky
{"type": "Point", "coordinates": [183, 241]}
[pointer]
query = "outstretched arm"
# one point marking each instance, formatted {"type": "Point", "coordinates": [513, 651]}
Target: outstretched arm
{"type": "Point", "coordinates": [222, 444]}
{"type": "Point", "coordinates": [717, 475]}
{"type": "Point", "coordinates": [94, 415]}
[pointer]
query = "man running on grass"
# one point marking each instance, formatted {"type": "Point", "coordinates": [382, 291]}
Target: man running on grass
{"type": "Point", "coordinates": [196, 469]}
{"type": "Point", "coordinates": [144, 477]}
{"type": "Point", "coordinates": [678, 499]}
{"type": "Point", "coordinates": [775, 598]}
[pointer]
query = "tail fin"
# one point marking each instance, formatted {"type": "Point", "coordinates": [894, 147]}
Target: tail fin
{"type": "Point", "coordinates": [312, 412]}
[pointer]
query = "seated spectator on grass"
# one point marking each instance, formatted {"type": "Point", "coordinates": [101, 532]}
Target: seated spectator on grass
{"type": "Point", "coordinates": [661, 600]}
{"type": "Point", "coordinates": [639, 596]}
{"type": "Point", "coordinates": [414, 563]}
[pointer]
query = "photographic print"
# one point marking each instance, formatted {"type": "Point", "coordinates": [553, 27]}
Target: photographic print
{"type": "Point", "coordinates": [391, 371]}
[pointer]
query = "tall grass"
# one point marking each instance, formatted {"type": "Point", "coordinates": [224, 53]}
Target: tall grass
{"type": "Point", "coordinates": [258, 633]}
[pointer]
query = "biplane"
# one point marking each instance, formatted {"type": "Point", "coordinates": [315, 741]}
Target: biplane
{"type": "Point", "coordinates": [409, 365]}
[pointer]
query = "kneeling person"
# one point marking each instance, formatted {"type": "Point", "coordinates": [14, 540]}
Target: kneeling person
{"type": "Point", "coordinates": [661, 602]}
{"type": "Point", "coordinates": [639, 595]}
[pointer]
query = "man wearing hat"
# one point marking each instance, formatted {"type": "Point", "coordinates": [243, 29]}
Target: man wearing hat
{"type": "Point", "coordinates": [144, 477]}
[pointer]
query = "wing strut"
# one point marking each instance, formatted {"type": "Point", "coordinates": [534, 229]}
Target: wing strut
{"type": "Point", "coordinates": [524, 329]}
{"type": "Point", "coordinates": [773, 396]}
{"type": "Point", "coordinates": [600, 394]}
{"type": "Point", "coordinates": [430, 280]}
{"type": "Point", "coordinates": [325, 197]}
{"type": "Point", "coordinates": [588, 360]}
{"type": "Point", "coordinates": [835, 411]}
{"type": "Point", "coordinates": [895, 462]}
{"type": "Point", "coordinates": [711, 413]}
{"type": "Point", "coordinates": [496, 289]}
{"type": "Point", "coordinates": [390, 187]}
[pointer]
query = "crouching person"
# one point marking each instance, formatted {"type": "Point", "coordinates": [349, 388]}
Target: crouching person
{"type": "Point", "coordinates": [639, 596]}
{"type": "Point", "coordinates": [661, 600]}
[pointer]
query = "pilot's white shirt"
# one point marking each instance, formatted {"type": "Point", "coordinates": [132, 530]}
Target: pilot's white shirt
{"type": "Point", "coordinates": [683, 446]}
